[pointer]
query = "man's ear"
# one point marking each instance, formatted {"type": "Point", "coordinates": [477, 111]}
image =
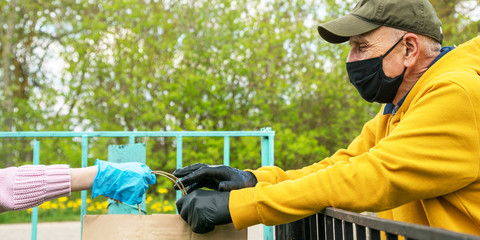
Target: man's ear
{"type": "Point", "coordinates": [412, 46]}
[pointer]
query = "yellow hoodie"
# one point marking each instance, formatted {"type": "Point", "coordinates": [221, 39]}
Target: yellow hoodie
{"type": "Point", "coordinates": [420, 165]}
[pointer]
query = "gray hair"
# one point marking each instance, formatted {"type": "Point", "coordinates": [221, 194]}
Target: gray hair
{"type": "Point", "coordinates": [429, 45]}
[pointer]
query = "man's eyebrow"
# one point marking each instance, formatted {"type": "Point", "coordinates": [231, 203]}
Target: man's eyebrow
{"type": "Point", "coordinates": [357, 39]}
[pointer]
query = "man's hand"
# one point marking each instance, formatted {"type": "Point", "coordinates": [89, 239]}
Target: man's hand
{"type": "Point", "coordinates": [217, 177]}
{"type": "Point", "coordinates": [125, 182]}
{"type": "Point", "coordinates": [203, 210]}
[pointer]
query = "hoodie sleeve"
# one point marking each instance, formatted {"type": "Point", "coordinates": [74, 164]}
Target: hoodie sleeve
{"type": "Point", "coordinates": [359, 145]}
{"type": "Point", "coordinates": [31, 185]}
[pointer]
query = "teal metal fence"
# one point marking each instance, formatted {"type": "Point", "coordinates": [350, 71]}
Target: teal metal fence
{"type": "Point", "coordinates": [267, 156]}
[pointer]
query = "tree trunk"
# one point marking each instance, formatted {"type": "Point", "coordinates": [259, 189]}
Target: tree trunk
{"type": "Point", "coordinates": [7, 53]}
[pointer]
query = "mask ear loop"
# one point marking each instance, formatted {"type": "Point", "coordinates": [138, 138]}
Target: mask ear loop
{"type": "Point", "coordinates": [389, 50]}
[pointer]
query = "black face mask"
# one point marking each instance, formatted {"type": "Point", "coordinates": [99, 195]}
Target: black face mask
{"type": "Point", "coordinates": [371, 82]}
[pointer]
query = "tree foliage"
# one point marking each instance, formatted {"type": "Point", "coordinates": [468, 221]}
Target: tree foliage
{"type": "Point", "coordinates": [211, 65]}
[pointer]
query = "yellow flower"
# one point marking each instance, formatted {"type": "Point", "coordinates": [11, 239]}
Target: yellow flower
{"type": "Point", "coordinates": [29, 211]}
{"type": "Point", "coordinates": [155, 205]}
{"type": "Point", "coordinates": [162, 190]}
{"type": "Point", "coordinates": [74, 205]}
{"type": "Point", "coordinates": [165, 202]}
{"type": "Point", "coordinates": [167, 208]}
{"type": "Point", "coordinates": [63, 199]}
{"type": "Point", "coordinates": [46, 205]}
{"type": "Point", "coordinates": [149, 199]}
{"type": "Point", "coordinates": [54, 206]}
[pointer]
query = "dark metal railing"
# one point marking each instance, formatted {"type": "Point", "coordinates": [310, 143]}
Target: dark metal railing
{"type": "Point", "coordinates": [337, 224]}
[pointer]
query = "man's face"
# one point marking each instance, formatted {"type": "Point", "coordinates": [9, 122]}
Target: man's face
{"type": "Point", "coordinates": [376, 43]}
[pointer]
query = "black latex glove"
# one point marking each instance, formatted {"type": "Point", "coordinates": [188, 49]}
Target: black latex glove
{"type": "Point", "coordinates": [204, 209]}
{"type": "Point", "coordinates": [217, 177]}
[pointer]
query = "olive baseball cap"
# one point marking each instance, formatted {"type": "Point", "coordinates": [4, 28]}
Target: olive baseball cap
{"type": "Point", "coordinates": [417, 16]}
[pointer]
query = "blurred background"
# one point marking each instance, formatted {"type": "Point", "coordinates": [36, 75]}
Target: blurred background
{"type": "Point", "coordinates": [171, 65]}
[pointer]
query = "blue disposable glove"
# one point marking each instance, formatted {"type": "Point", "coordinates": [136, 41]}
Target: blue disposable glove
{"type": "Point", "coordinates": [125, 182]}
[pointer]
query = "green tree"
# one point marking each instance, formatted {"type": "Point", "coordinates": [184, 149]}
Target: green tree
{"type": "Point", "coordinates": [184, 65]}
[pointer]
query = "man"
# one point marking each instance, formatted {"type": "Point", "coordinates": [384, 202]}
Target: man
{"type": "Point", "coordinates": [417, 161]}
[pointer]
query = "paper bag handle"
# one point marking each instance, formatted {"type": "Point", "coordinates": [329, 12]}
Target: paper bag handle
{"type": "Point", "coordinates": [172, 178]}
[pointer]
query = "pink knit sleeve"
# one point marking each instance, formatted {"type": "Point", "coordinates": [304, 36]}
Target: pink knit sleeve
{"type": "Point", "coordinates": [31, 185]}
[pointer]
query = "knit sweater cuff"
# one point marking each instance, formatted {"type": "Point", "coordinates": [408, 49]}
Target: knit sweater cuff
{"type": "Point", "coordinates": [35, 184]}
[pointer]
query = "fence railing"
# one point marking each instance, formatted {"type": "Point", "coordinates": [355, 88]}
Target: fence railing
{"type": "Point", "coordinates": [337, 224]}
{"type": "Point", "coordinates": [267, 157]}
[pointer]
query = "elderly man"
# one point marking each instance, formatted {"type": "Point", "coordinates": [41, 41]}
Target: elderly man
{"type": "Point", "coordinates": [417, 161]}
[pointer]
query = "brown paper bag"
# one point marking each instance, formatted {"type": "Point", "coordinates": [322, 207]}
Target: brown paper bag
{"type": "Point", "coordinates": [156, 226]}
{"type": "Point", "coordinates": [146, 227]}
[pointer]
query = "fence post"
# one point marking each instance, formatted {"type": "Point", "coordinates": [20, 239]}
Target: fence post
{"type": "Point", "coordinates": [179, 161]}
{"type": "Point", "coordinates": [226, 151]}
{"type": "Point", "coordinates": [36, 161]}
{"type": "Point", "coordinates": [83, 196]}
{"type": "Point", "coordinates": [267, 160]}
{"type": "Point", "coordinates": [122, 154]}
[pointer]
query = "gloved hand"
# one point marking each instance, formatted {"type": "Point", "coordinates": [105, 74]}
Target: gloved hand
{"type": "Point", "coordinates": [217, 177]}
{"type": "Point", "coordinates": [203, 209]}
{"type": "Point", "coordinates": [125, 182]}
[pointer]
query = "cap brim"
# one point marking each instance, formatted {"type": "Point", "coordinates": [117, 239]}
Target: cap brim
{"type": "Point", "coordinates": [341, 29]}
